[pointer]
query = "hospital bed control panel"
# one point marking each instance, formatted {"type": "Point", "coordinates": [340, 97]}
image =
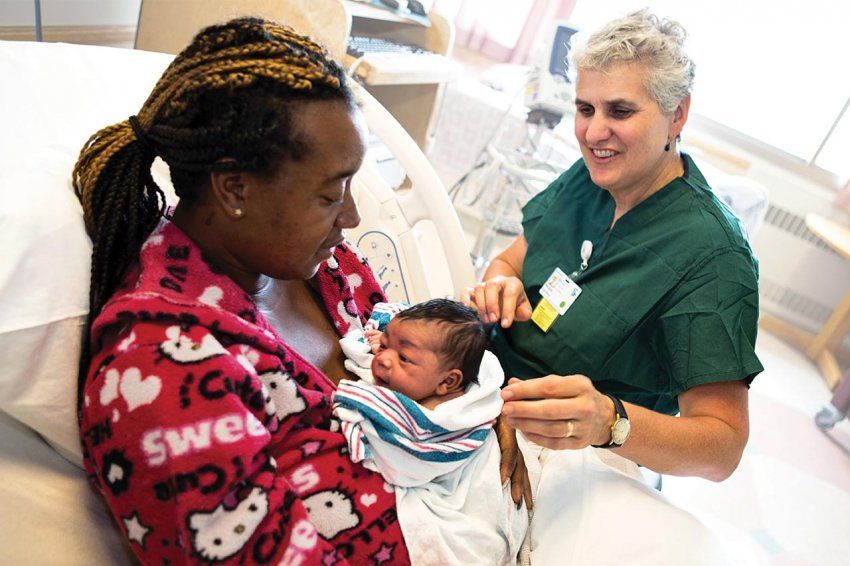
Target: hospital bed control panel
{"type": "Point", "coordinates": [383, 257]}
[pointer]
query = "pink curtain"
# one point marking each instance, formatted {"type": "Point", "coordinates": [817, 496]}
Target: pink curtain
{"type": "Point", "coordinates": [503, 30]}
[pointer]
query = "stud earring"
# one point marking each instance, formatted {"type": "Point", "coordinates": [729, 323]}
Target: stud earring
{"type": "Point", "coordinates": [237, 211]}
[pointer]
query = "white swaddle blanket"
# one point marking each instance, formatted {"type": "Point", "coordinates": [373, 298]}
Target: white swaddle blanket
{"type": "Point", "coordinates": [444, 464]}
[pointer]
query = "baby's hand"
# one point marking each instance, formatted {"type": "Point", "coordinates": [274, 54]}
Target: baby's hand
{"type": "Point", "coordinates": [373, 337]}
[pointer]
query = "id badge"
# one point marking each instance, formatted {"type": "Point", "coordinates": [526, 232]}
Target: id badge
{"type": "Point", "coordinates": [560, 291]}
{"type": "Point", "coordinates": [543, 315]}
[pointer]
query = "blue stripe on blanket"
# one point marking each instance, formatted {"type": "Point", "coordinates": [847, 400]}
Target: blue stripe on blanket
{"type": "Point", "coordinates": [388, 431]}
{"type": "Point", "coordinates": [414, 409]}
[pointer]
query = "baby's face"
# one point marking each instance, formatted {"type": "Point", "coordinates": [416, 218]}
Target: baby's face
{"type": "Point", "coordinates": [408, 361]}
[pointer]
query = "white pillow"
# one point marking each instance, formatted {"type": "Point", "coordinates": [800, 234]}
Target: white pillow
{"type": "Point", "coordinates": [54, 97]}
{"type": "Point", "coordinates": [747, 198]}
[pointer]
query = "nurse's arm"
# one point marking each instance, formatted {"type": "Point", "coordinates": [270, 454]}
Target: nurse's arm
{"type": "Point", "coordinates": [568, 413]}
{"type": "Point", "coordinates": [509, 262]}
{"type": "Point", "coordinates": [706, 440]}
{"type": "Point", "coordinates": [500, 296]}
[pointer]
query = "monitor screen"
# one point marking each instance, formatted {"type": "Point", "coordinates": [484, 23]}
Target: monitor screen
{"type": "Point", "coordinates": [560, 48]}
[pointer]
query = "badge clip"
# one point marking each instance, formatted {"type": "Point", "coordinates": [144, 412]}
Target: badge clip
{"type": "Point", "coordinates": [585, 252]}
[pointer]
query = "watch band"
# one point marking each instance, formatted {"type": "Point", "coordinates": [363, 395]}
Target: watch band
{"type": "Point", "coordinates": [619, 413]}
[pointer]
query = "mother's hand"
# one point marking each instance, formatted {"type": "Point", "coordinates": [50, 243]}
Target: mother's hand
{"type": "Point", "coordinates": [499, 298]}
{"type": "Point", "coordinates": [512, 465]}
{"type": "Point", "coordinates": [559, 412]}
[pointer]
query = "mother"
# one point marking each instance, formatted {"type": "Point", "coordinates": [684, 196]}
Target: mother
{"type": "Point", "coordinates": [204, 405]}
{"type": "Point", "coordinates": [665, 321]}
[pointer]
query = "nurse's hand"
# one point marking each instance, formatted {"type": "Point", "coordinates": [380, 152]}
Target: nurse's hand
{"type": "Point", "coordinates": [500, 298]}
{"type": "Point", "coordinates": [559, 412]}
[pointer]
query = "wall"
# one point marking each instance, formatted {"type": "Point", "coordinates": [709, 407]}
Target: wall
{"type": "Point", "coordinates": [70, 12]}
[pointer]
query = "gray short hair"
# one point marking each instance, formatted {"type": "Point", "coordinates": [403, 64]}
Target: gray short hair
{"type": "Point", "coordinates": [641, 37]}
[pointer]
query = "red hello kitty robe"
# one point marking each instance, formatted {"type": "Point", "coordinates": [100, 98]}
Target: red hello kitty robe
{"type": "Point", "coordinates": [210, 438]}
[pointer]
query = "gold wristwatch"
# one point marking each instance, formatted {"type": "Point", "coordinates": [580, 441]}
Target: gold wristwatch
{"type": "Point", "coordinates": [621, 427]}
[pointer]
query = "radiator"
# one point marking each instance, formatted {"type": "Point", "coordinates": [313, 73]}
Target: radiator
{"type": "Point", "coordinates": [801, 277]}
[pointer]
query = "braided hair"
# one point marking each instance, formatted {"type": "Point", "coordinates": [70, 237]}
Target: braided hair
{"type": "Point", "coordinates": [227, 95]}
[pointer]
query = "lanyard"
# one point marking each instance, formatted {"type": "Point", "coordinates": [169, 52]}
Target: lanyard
{"type": "Point", "coordinates": [585, 252]}
{"type": "Point", "coordinates": [559, 292]}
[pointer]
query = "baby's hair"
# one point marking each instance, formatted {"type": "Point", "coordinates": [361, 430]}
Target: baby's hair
{"type": "Point", "coordinates": [223, 104]}
{"type": "Point", "coordinates": [464, 340]}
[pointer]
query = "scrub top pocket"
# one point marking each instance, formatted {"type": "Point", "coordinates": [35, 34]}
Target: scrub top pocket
{"type": "Point", "coordinates": [589, 332]}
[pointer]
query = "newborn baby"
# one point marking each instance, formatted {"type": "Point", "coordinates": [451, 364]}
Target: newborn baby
{"type": "Point", "coordinates": [423, 417]}
{"type": "Point", "coordinates": [430, 352]}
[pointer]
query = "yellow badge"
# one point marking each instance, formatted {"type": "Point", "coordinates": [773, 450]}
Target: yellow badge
{"type": "Point", "coordinates": [544, 315]}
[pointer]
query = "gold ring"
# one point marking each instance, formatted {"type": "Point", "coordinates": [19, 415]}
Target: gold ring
{"type": "Point", "coordinates": [569, 432]}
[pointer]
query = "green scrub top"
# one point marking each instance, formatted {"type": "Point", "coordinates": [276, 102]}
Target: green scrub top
{"type": "Point", "coordinates": [669, 299]}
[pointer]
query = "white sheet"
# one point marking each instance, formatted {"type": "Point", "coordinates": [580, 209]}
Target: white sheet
{"type": "Point", "coordinates": [50, 515]}
{"type": "Point", "coordinates": [592, 507]}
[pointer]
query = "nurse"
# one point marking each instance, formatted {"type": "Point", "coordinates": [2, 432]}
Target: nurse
{"type": "Point", "coordinates": [632, 294]}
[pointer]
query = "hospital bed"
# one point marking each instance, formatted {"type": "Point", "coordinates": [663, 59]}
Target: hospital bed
{"type": "Point", "coordinates": [53, 97]}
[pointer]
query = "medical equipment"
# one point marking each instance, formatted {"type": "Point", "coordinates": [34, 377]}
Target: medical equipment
{"type": "Point", "coordinates": [838, 408]}
{"type": "Point", "coordinates": [504, 178]}
{"type": "Point", "coordinates": [60, 95]}
{"type": "Point", "coordinates": [828, 417]}
{"type": "Point", "coordinates": [503, 182]}
{"type": "Point", "coordinates": [549, 94]}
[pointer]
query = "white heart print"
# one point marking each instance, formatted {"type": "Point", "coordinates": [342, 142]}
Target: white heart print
{"type": "Point", "coordinates": [137, 391]}
{"type": "Point", "coordinates": [368, 499]}
{"type": "Point", "coordinates": [109, 391]}
{"type": "Point", "coordinates": [211, 295]}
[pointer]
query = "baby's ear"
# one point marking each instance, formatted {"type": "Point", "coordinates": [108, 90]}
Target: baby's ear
{"type": "Point", "coordinates": [451, 383]}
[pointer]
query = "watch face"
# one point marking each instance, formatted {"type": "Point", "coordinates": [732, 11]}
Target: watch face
{"type": "Point", "coordinates": [620, 431]}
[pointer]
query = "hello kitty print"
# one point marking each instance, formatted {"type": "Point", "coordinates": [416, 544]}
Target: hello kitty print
{"type": "Point", "coordinates": [210, 438]}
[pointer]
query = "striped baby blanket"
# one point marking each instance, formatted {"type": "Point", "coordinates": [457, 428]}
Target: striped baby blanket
{"type": "Point", "coordinates": [409, 444]}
